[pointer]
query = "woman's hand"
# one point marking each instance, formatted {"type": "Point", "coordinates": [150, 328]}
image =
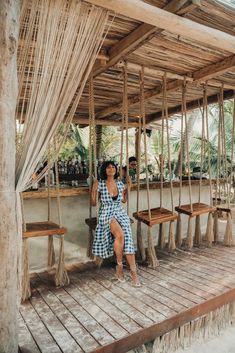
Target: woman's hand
{"type": "Point", "coordinates": [94, 192]}
{"type": "Point", "coordinates": [125, 191]}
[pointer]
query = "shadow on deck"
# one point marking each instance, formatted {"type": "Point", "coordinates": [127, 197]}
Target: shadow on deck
{"type": "Point", "coordinates": [94, 314]}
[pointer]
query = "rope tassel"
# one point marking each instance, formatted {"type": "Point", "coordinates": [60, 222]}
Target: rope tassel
{"type": "Point", "coordinates": [228, 236]}
{"type": "Point", "coordinates": [152, 258]}
{"type": "Point", "coordinates": [140, 243]}
{"type": "Point", "coordinates": [198, 233]}
{"type": "Point", "coordinates": [161, 236]}
{"type": "Point", "coordinates": [178, 233]}
{"type": "Point", "coordinates": [189, 239]}
{"type": "Point", "coordinates": [61, 277]}
{"type": "Point", "coordinates": [171, 238]}
{"type": "Point", "coordinates": [89, 245]}
{"type": "Point", "coordinates": [25, 282]}
{"type": "Point", "coordinates": [51, 252]}
{"type": "Point", "coordinates": [209, 230]}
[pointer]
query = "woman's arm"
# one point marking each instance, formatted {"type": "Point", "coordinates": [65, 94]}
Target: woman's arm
{"type": "Point", "coordinates": [125, 193]}
{"type": "Point", "coordinates": [94, 193]}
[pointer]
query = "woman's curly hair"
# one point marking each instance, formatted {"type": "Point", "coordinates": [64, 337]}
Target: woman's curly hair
{"type": "Point", "coordinates": [103, 174]}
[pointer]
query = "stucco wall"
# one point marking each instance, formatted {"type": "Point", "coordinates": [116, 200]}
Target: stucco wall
{"type": "Point", "coordinates": [76, 208]}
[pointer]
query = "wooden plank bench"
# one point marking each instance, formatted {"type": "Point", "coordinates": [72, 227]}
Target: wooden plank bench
{"type": "Point", "coordinates": [158, 215]}
{"type": "Point", "coordinates": [41, 229]}
{"type": "Point", "coordinates": [197, 209]}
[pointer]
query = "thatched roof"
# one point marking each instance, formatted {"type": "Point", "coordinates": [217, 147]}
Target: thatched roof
{"type": "Point", "coordinates": [159, 51]}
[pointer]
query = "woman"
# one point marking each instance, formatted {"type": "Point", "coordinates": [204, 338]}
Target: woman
{"type": "Point", "coordinates": [113, 231]}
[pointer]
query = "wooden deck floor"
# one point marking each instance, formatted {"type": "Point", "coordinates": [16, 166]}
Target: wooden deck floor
{"type": "Point", "coordinates": [95, 315]}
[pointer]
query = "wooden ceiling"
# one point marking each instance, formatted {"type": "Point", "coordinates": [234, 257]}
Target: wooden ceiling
{"type": "Point", "coordinates": [158, 51]}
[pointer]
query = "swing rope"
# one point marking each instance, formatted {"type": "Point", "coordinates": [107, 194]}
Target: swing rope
{"type": "Point", "coordinates": [228, 237]}
{"type": "Point", "coordinates": [171, 237]}
{"type": "Point", "coordinates": [178, 236]}
{"type": "Point", "coordinates": [189, 239]}
{"type": "Point", "coordinates": [218, 173]}
{"type": "Point", "coordinates": [92, 160]}
{"type": "Point", "coordinates": [152, 258]}
{"type": "Point", "coordinates": [125, 123]}
{"type": "Point", "coordinates": [140, 243]}
{"type": "Point", "coordinates": [209, 230]}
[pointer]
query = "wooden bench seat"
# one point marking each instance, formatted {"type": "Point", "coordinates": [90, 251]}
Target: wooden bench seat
{"type": "Point", "coordinates": [158, 215]}
{"type": "Point", "coordinates": [39, 229]}
{"type": "Point", "coordinates": [197, 209]}
{"type": "Point", "coordinates": [92, 222]}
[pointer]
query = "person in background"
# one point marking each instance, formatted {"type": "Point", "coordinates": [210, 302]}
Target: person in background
{"type": "Point", "coordinates": [132, 169]}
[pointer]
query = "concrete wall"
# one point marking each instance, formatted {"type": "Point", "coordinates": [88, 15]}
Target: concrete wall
{"type": "Point", "coordinates": [76, 208]}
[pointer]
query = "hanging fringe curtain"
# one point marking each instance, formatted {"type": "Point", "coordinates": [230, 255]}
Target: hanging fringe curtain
{"type": "Point", "coordinates": [59, 42]}
{"type": "Point", "coordinates": [65, 38]}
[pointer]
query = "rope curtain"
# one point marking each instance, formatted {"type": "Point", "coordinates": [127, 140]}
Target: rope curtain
{"type": "Point", "coordinates": [65, 38]}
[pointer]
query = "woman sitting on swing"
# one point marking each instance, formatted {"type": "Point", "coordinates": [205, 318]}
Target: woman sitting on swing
{"type": "Point", "coordinates": [113, 231]}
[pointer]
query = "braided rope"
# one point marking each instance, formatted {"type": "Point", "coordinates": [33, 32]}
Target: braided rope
{"type": "Point", "coordinates": [125, 107]}
{"type": "Point", "coordinates": [142, 112]}
{"type": "Point", "coordinates": [208, 141]}
{"type": "Point", "coordinates": [232, 150]}
{"type": "Point", "coordinates": [187, 144]}
{"type": "Point", "coordinates": [168, 141]}
{"type": "Point", "coordinates": [162, 146]}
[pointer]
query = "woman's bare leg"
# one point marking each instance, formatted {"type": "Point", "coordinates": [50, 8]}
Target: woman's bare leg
{"type": "Point", "coordinates": [131, 261]}
{"type": "Point", "coordinates": [117, 232]}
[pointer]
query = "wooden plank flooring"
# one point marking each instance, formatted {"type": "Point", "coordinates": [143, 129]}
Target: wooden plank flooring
{"type": "Point", "coordinates": [96, 314]}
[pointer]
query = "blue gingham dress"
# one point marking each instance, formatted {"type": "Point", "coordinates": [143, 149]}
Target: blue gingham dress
{"type": "Point", "coordinates": [109, 209]}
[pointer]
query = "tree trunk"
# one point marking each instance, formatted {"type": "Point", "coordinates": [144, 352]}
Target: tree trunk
{"type": "Point", "coordinates": [9, 28]}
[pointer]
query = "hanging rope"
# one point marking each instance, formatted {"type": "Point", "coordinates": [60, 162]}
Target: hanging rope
{"type": "Point", "coordinates": [92, 161]}
{"type": "Point", "coordinates": [171, 237]}
{"type": "Point", "coordinates": [140, 243]}
{"type": "Point", "coordinates": [209, 230]}
{"type": "Point", "coordinates": [228, 231]}
{"type": "Point", "coordinates": [198, 234]}
{"type": "Point", "coordinates": [125, 116]}
{"type": "Point", "coordinates": [178, 235]}
{"type": "Point", "coordinates": [153, 261]}
{"type": "Point", "coordinates": [218, 174]}
{"type": "Point", "coordinates": [189, 239]}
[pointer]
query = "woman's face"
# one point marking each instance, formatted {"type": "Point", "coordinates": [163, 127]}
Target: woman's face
{"type": "Point", "coordinates": [111, 170]}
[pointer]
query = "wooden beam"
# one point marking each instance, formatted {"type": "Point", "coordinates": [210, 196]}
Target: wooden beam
{"type": "Point", "coordinates": [136, 38]}
{"type": "Point", "coordinates": [152, 15]}
{"type": "Point", "coordinates": [155, 92]}
{"type": "Point", "coordinates": [194, 104]}
{"type": "Point", "coordinates": [136, 68]}
{"type": "Point", "coordinates": [213, 70]}
{"type": "Point", "coordinates": [103, 122]}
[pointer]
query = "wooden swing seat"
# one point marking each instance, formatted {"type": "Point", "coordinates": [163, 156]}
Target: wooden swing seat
{"type": "Point", "coordinates": [39, 229]}
{"type": "Point", "coordinates": [92, 222]}
{"type": "Point", "coordinates": [198, 209]}
{"type": "Point", "coordinates": [158, 215]}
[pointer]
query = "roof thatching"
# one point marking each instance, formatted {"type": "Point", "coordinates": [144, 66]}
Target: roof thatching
{"type": "Point", "coordinates": [160, 51]}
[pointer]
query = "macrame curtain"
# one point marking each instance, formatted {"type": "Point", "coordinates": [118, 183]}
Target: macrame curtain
{"type": "Point", "coordinates": [59, 42]}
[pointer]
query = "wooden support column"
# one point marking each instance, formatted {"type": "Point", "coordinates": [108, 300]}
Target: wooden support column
{"type": "Point", "coordinates": [9, 28]}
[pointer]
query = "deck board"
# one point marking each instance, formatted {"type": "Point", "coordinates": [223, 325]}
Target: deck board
{"type": "Point", "coordinates": [94, 314]}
